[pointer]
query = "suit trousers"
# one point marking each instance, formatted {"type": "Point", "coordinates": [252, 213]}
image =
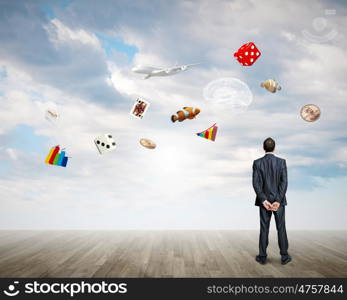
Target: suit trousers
{"type": "Point", "coordinates": [265, 217]}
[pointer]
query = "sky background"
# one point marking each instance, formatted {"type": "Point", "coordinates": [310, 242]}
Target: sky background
{"type": "Point", "coordinates": [76, 57]}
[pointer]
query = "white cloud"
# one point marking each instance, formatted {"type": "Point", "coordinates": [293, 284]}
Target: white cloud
{"type": "Point", "coordinates": [60, 33]}
{"type": "Point", "coordinates": [12, 153]}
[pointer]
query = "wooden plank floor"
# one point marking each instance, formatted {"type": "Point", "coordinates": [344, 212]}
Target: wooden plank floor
{"type": "Point", "coordinates": [167, 254]}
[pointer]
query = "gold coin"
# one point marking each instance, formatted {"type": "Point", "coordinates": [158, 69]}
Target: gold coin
{"type": "Point", "coordinates": [147, 143]}
{"type": "Point", "coordinates": [310, 112]}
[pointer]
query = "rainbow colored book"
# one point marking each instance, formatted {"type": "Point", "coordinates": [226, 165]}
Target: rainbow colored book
{"type": "Point", "coordinates": [209, 133]}
{"type": "Point", "coordinates": [55, 158]}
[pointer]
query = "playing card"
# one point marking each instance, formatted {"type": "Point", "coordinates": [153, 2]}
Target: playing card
{"type": "Point", "coordinates": [139, 108]}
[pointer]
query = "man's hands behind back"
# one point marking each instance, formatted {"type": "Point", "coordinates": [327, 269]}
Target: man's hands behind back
{"type": "Point", "coordinates": [275, 206]}
{"type": "Point", "coordinates": [272, 207]}
{"type": "Point", "coordinates": [267, 205]}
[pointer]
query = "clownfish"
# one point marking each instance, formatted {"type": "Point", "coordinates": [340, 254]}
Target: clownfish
{"type": "Point", "coordinates": [186, 113]}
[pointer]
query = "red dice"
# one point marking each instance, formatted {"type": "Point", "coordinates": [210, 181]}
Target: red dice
{"type": "Point", "coordinates": [247, 54]}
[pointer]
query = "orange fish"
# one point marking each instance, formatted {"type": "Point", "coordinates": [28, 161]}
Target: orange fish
{"type": "Point", "coordinates": [186, 113]}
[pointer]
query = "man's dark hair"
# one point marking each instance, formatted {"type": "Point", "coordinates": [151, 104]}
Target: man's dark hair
{"type": "Point", "coordinates": [269, 145]}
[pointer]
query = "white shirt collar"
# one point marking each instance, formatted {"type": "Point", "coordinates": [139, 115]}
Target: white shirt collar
{"type": "Point", "coordinates": [269, 153]}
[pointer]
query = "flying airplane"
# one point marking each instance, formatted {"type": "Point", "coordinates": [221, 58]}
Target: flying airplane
{"type": "Point", "coordinates": [157, 71]}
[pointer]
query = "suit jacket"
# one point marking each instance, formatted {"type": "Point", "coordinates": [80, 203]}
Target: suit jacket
{"type": "Point", "coordinates": [270, 179]}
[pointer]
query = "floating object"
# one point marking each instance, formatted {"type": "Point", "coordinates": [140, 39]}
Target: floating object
{"type": "Point", "coordinates": [139, 108]}
{"type": "Point", "coordinates": [209, 133]}
{"type": "Point", "coordinates": [228, 94]}
{"type": "Point", "coordinates": [323, 31]}
{"type": "Point", "coordinates": [247, 54]}
{"type": "Point", "coordinates": [310, 112]}
{"type": "Point", "coordinates": [52, 116]}
{"type": "Point", "coordinates": [150, 71]}
{"type": "Point", "coordinates": [105, 143]}
{"type": "Point", "coordinates": [186, 113]}
{"type": "Point", "coordinates": [55, 158]}
{"type": "Point", "coordinates": [147, 143]}
{"type": "Point", "coordinates": [271, 85]}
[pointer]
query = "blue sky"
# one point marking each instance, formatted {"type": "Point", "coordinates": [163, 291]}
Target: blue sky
{"type": "Point", "coordinates": [112, 44]}
{"type": "Point", "coordinates": [24, 137]}
{"type": "Point", "coordinates": [108, 43]}
{"type": "Point", "coordinates": [75, 57]}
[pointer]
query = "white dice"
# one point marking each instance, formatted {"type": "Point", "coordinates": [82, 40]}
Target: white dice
{"type": "Point", "coordinates": [105, 143]}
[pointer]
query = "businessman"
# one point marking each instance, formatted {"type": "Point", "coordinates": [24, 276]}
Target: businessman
{"type": "Point", "coordinates": [270, 184]}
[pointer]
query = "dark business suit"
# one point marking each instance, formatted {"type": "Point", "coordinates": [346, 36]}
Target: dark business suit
{"type": "Point", "coordinates": [270, 183]}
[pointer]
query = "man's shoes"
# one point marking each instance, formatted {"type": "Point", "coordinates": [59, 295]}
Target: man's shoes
{"type": "Point", "coordinates": [286, 259]}
{"type": "Point", "coordinates": [261, 259]}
